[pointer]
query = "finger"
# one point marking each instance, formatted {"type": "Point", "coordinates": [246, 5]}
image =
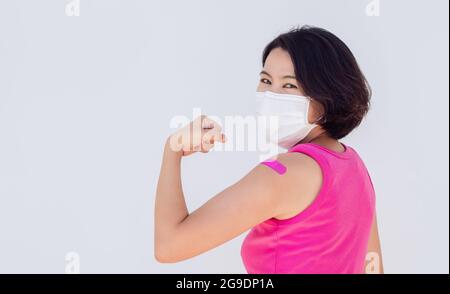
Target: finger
{"type": "Point", "coordinates": [207, 148]}
{"type": "Point", "coordinates": [209, 137]}
{"type": "Point", "coordinates": [208, 123]}
{"type": "Point", "coordinates": [219, 137]}
{"type": "Point", "coordinates": [214, 137]}
{"type": "Point", "coordinates": [197, 148]}
{"type": "Point", "coordinates": [222, 138]}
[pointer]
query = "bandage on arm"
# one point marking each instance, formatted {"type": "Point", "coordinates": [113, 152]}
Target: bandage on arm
{"type": "Point", "coordinates": [277, 166]}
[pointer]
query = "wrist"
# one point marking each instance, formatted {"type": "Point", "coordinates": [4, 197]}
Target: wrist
{"type": "Point", "coordinates": [172, 149]}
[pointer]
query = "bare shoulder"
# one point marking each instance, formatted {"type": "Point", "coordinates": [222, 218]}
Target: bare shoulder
{"type": "Point", "coordinates": [297, 164]}
{"type": "Point", "coordinates": [298, 186]}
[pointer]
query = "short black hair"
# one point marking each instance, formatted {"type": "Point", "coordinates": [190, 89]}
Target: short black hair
{"type": "Point", "coordinates": [329, 74]}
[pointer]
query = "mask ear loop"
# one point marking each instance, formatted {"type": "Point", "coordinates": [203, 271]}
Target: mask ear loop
{"type": "Point", "coordinates": [322, 117]}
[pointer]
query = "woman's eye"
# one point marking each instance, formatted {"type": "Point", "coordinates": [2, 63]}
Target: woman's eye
{"type": "Point", "coordinates": [265, 81]}
{"type": "Point", "coordinates": [290, 86]}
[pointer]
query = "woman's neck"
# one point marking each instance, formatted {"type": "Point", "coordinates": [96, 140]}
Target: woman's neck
{"type": "Point", "coordinates": [323, 139]}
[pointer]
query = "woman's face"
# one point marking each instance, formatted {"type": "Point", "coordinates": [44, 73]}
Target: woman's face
{"type": "Point", "coordinates": [278, 76]}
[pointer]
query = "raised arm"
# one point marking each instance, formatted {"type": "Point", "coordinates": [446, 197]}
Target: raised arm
{"type": "Point", "coordinates": [180, 235]}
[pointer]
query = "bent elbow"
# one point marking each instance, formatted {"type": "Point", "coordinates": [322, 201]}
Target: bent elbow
{"type": "Point", "coordinates": [161, 258]}
{"type": "Point", "coordinates": [165, 258]}
{"type": "Point", "coordinates": [168, 248]}
{"type": "Point", "coordinates": [163, 255]}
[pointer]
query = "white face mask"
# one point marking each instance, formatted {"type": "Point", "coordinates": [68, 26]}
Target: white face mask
{"type": "Point", "coordinates": [291, 112]}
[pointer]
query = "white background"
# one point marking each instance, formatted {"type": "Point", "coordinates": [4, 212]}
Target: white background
{"type": "Point", "coordinates": [85, 105]}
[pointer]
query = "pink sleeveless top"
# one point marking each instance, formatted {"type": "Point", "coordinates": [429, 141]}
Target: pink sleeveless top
{"type": "Point", "coordinates": [331, 235]}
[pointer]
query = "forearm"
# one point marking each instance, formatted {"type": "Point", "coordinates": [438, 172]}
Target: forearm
{"type": "Point", "coordinates": [170, 205]}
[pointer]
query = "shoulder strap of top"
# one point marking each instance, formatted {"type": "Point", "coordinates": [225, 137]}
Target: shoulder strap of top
{"type": "Point", "coordinates": [314, 152]}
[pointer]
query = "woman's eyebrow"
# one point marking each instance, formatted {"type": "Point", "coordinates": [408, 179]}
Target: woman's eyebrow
{"type": "Point", "coordinates": [289, 77]}
{"type": "Point", "coordinates": [284, 77]}
{"type": "Point", "coordinates": [265, 73]}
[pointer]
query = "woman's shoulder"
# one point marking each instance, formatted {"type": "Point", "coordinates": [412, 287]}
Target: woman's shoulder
{"type": "Point", "coordinates": [294, 162]}
{"type": "Point", "coordinates": [298, 184]}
